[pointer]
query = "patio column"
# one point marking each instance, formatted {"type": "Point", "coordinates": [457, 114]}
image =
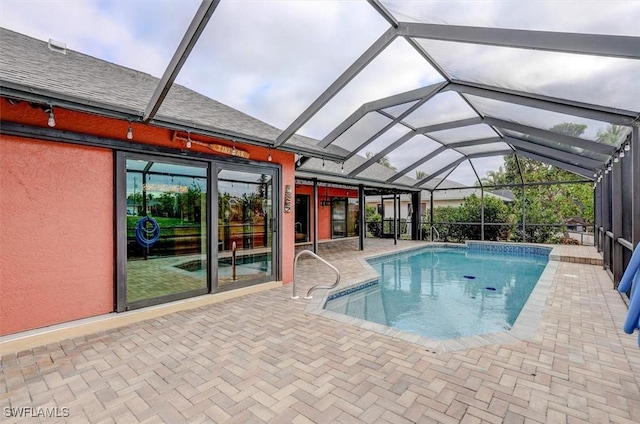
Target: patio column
{"type": "Point", "coordinates": [524, 200]}
{"type": "Point", "coordinates": [382, 216]}
{"type": "Point", "coordinates": [597, 214]}
{"type": "Point", "coordinates": [315, 215]}
{"type": "Point", "coordinates": [431, 216]}
{"type": "Point", "coordinates": [606, 221]}
{"type": "Point", "coordinates": [616, 221]}
{"type": "Point", "coordinates": [481, 212]}
{"type": "Point", "coordinates": [415, 215]}
{"type": "Point", "coordinates": [362, 228]}
{"type": "Point", "coordinates": [395, 218]}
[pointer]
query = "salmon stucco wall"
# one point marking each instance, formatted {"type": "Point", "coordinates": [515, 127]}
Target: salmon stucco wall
{"type": "Point", "coordinates": [324, 212]}
{"type": "Point", "coordinates": [97, 188]}
{"type": "Point", "coordinates": [288, 221]}
{"type": "Point", "coordinates": [56, 238]}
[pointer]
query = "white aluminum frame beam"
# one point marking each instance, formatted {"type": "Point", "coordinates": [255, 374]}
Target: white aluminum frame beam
{"type": "Point", "coordinates": [382, 10]}
{"type": "Point", "coordinates": [379, 7]}
{"type": "Point", "coordinates": [394, 122]}
{"type": "Point", "coordinates": [583, 172]}
{"type": "Point", "coordinates": [459, 161]}
{"type": "Point", "coordinates": [538, 101]}
{"type": "Point", "coordinates": [589, 44]}
{"type": "Point", "coordinates": [440, 150]}
{"type": "Point", "coordinates": [593, 146]}
{"type": "Point", "coordinates": [356, 67]}
{"type": "Point", "coordinates": [418, 131]}
{"type": "Point", "coordinates": [421, 94]}
{"type": "Point", "coordinates": [573, 158]}
{"type": "Point", "coordinates": [197, 25]}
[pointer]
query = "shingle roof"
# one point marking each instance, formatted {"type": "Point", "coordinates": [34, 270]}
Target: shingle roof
{"type": "Point", "coordinates": [28, 65]}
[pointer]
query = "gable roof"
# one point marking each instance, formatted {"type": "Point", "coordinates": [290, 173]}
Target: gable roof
{"type": "Point", "coordinates": [30, 70]}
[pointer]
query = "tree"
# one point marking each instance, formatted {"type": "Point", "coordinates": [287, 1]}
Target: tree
{"type": "Point", "coordinates": [384, 161]}
{"type": "Point", "coordinates": [569, 128]}
{"type": "Point", "coordinates": [463, 222]}
{"type": "Point", "coordinates": [166, 204]}
{"type": "Point", "coordinates": [546, 204]}
{"type": "Point", "coordinates": [191, 201]}
{"type": "Point", "coordinates": [373, 221]}
{"type": "Point", "coordinates": [493, 178]}
{"type": "Point", "coordinates": [421, 175]}
{"type": "Point", "coordinates": [612, 135]}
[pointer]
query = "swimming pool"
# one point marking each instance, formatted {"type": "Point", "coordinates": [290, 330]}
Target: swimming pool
{"type": "Point", "coordinates": [446, 293]}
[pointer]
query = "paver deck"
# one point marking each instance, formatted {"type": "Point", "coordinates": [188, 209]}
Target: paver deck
{"type": "Point", "coordinates": [262, 358]}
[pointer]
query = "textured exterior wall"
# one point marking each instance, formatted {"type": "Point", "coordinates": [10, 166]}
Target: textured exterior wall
{"type": "Point", "coordinates": [56, 233]}
{"type": "Point", "coordinates": [324, 212]}
{"type": "Point", "coordinates": [56, 215]}
{"type": "Point", "coordinates": [288, 221]}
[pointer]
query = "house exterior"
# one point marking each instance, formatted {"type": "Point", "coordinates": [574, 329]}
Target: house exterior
{"type": "Point", "coordinates": [102, 212]}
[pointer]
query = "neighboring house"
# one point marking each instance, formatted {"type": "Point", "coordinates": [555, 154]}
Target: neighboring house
{"type": "Point", "coordinates": [453, 196]}
{"type": "Point", "coordinates": [576, 224]}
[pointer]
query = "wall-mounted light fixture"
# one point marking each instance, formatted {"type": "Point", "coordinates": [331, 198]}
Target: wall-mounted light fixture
{"type": "Point", "coordinates": [326, 201]}
{"type": "Point", "coordinates": [52, 119]}
{"type": "Point", "coordinates": [269, 158]}
{"type": "Point", "coordinates": [130, 132]}
{"type": "Point", "coordinates": [188, 140]}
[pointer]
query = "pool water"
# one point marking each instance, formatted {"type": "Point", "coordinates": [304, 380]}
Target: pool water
{"type": "Point", "coordinates": [445, 293]}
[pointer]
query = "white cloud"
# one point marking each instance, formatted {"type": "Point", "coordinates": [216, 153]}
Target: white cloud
{"type": "Point", "coordinates": [614, 17]}
{"type": "Point", "coordinates": [137, 34]}
{"type": "Point", "coordinates": [271, 59]}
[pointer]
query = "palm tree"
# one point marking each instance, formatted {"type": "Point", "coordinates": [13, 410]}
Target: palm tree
{"type": "Point", "coordinates": [382, 161]}
{"type": "Point", "coordinates": [493, 178]}
{"type": "Point", "coordinates": [612, 135]}
{"type": "Point", "coordinates": [569, 128]}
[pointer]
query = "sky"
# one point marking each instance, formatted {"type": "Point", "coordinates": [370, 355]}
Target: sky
{"type": "Point", "coordinates": [271, 59]}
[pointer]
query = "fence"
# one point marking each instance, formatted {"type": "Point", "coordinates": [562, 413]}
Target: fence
{"type": "Point", "coordinates": [459, 232]}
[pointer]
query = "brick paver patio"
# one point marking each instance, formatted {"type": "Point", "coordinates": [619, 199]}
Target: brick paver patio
{"type": "Point", "coordinates": [261, 358]}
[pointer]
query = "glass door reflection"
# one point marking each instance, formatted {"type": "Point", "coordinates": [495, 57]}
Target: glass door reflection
{"type": "Point", "coordinates": [166, 232]}
{"type": "Point", "coordinates": [245, 237]}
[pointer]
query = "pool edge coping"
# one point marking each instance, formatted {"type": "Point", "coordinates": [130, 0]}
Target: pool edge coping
{"type": "Point", "coordinates": [523, 329]}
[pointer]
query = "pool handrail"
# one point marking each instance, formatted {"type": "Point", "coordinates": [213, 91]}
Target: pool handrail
{"type": "Point", "coordinates": [295, 267]}
{"type": "Point", "coordinates": [433, 228]}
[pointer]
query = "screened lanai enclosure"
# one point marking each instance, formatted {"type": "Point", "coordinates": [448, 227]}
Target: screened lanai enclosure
{"type": "Point", "coordinates": [445, 101]}
{"type": "Point", "coordinates": [425, 101]}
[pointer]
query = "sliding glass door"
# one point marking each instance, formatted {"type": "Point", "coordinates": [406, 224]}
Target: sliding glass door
{"type": "Point", "coordinates": [245, 214]}
{"type": "Point", "coordinates": [166, 231]}
{"type": "Point", "coordinates": [188, 227]}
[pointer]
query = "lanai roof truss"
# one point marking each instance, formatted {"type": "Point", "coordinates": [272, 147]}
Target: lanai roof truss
{"type": "Point", "coordinates": [495, 119]}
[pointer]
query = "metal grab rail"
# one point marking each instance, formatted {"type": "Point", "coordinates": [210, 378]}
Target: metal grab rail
{"type": "Point", "coordinates": [433, 228]}
{"type": "Point", "coordinates": [295, 267]}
